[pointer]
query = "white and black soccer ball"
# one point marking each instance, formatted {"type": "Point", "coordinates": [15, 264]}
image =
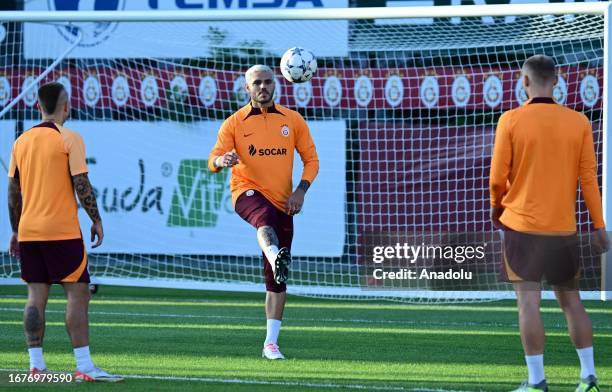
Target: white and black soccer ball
{"type": "Point", "coordinates": [298, 65]}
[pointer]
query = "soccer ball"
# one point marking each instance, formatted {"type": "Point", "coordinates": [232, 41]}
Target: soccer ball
{"type": "Point", "coordinates": [298, 65]}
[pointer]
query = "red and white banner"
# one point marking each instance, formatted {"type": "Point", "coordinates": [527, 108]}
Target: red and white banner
{"type": "Point", "coordinates": [482, 88]}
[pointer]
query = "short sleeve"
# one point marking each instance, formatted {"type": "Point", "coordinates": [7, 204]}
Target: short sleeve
{"type": "Point", "coordinates": [13, 172]}
{"type": "Point", "coordinates": [75, 146]}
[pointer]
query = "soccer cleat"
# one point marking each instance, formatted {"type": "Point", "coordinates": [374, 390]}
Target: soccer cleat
{"type": "Point", "coordinates": [526, 387]}
{"type": "Point", "coordinates": [270, 351]}
{"type": "Point", "coordinates": [34, 371]}
{"type": "Point", "coordinates": [281, 265]}
{"type": "Point", "coordinates": [95, 375]}
{"type": "Point", "coordinates": [588, 384]}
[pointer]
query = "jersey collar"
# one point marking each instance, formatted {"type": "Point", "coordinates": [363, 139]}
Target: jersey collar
{"type": "Point", "coordinates": [540, 100]}
{"type": "Point", "coordinates": [47, 124]}
{"type": "Point", "coordinates": [253, 111]}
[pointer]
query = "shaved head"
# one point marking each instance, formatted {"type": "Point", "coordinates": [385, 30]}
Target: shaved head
{"type": "Point", "coordinates": [52, 97]}
{"type": "Point", "coordinates": [540, 69]}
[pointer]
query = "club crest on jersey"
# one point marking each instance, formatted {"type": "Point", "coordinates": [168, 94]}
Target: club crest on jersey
{"type": "Point", "coordinates": [285, 130]}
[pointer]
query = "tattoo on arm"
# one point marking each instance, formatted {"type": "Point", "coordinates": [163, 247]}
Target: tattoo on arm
{"type": "Point", "coordinates": [14, 203]}
{"type": "Point", "coordinates": [304, 185]}
{"type": "Point", "coordinates": [266, 236]}
{"type": "Point", "coordinates": [34, 325]}
{"type": "Point", "coordinates": [84, 191]}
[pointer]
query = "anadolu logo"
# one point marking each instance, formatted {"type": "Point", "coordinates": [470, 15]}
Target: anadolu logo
{"type": "Point", "coordinates": [94, 33]}
{"type": "Point", "coordinates": [199, 196]}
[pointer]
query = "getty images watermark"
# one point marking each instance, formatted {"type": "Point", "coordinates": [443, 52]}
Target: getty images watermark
{"type": "Point", "coordinates": [471, 261]}
{"type": "Point", "coordinates": [444, 261]}
{"type": "Point", "coordinates": [411, 254]}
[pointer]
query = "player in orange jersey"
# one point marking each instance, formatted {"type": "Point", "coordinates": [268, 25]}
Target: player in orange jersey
{"type": "Point", "coordinates": [258, 143]}
{"type": "Point", "coordinates": [47, 167]}
{"type": "Point", "coordinates": [541, 151]}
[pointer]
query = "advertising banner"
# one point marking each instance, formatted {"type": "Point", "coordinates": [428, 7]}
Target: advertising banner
{"type": "Point", "coordinates": [157, 196]}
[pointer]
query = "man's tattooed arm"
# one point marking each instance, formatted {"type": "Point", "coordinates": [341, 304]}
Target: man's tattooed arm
{"type": "Point", "coordinates": [84, 191]}
{"type": "Point", "coordinates": [14, 203]}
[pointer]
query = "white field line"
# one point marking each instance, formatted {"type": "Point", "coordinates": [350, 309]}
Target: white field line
{"type": "Point", "coordinates": [263, 382]}
{"type": "Point", "coordinates": [248, 318]}
{"type": "Point", "coordinates": [323, 320]}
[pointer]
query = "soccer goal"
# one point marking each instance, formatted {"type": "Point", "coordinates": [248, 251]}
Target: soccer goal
{"type": "Point", "coordinates": [402, 109]}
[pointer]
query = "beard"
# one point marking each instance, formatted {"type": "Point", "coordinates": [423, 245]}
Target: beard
{"type": "Point", "coordinates": [263, 101]}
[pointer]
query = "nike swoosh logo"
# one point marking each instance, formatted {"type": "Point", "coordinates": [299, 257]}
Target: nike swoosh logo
{"type": "Point", "coordinates": [248, 134]}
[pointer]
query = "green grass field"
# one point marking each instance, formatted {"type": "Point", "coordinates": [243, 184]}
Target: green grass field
{"type": "Point", "coordinates": [192, 340]}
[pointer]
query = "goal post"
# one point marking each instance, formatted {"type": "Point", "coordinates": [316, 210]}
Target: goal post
{"type": "Point", "coordinates": [606, 260]}
{"type": "Point", "coordinates": [402, 109]}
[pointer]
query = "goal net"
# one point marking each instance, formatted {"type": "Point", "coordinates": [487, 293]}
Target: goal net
{"type": "Point", "coordinates": [402, 111]}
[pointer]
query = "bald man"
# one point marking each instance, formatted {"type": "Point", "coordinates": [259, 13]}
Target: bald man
{"type": "Point", "coordinates": [542, 149]}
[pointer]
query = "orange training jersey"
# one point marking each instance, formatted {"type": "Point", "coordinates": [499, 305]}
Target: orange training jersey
{"type": "Point", "coordinates": [265, 141]}
{"type": "Point", "coordinates": [541, 150]}
{"type": "Point", "coordinates": [44, 159]}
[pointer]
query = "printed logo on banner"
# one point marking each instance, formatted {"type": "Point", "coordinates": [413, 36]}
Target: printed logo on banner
{"type": "Point", "coordinates": [199, 195]}
{"type": "Point", "coordinates": [29, 84]}
{"type": "Point", "coordinates": [394, 90]}
{"type": "Point", "coordinates": [589, 90]}
{"type": "Point", "coordinates": [65, 81]}
{"type": "Point", "coordinates": [240, 94]}
{"type": "Point", "coordinates": [91, 90]}
{"type": "Point", "coordinates": [302, 93]}
{"type": "Point", "coordinates": [178, 89]}
{"type": "Point", "coordinates": [332, 91]}
{"type": "Point", "coordinates": [519, 92]}
{"type": "Point", "coordinates": [207, 91]}
{"type": "Point", "coordinates": [243, 4]}
{"type": "Point", "coordinates": [278, 90]}
{"type": "Point", "coordinates": [364, 90]}
{"type": "Point", "coordinates": [560, 90]}
{"type": "Point", "coordinates": [5, 91]}
{"type": "Point", "coordinates": [429, 91]}
{"type": "Point", "coordinates": [93, 33]}
{"type": "Point", "coordinates": [133, 198]}
{"type": "Point", "coordinates": [461, 91]}
{"type": "Point", "coordinates": [493, 91]}
{"type": "Point", "coordinates": [120, 90]}
{"type": "Point", "coordinates": [149, 90]}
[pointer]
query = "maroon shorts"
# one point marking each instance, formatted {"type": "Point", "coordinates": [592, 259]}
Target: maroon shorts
{"type": "Point", "coordinates": [50, 262]}
{"type": "Point", "coordinates": [254, 208]}
{"type": "Point", "coordinates": [531, 257]}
